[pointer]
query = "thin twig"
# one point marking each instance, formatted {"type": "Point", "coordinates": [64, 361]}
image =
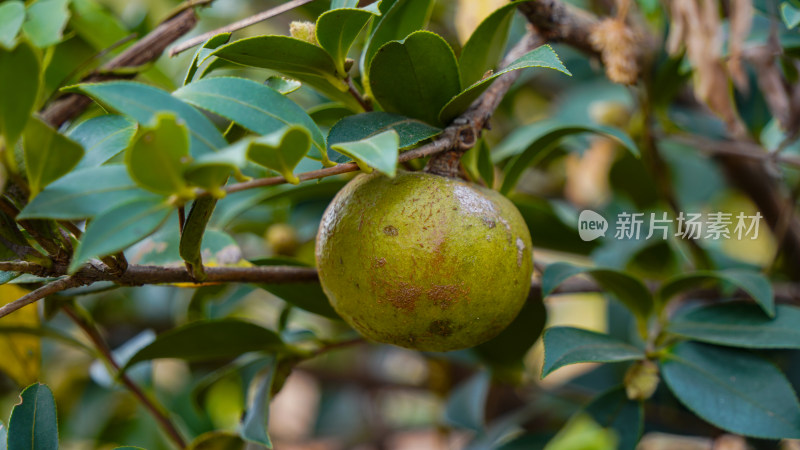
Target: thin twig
{"type": "Point", "coordinates": [155, 409]}
{"type": "Point", "coordinates": [244, 23]}
{"type": "Point", "coordinates": [34, 296]}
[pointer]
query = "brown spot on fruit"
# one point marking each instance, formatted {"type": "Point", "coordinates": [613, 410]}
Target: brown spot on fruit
{"type": "Point", "coordinates": [390, 230]}
{"type": "Point", "coordinates": [380, 262]}
{"type": "Point", "coordinates": [443, 328]}
{"type": "Point", "coordinates": [404, 296]}
{"type": "Point", "coordinates": [446, 295]}
{"type": "Point", "coordinates": [489, 222]}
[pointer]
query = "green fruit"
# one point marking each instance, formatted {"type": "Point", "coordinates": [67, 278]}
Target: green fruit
{"type": "Point", "coordinates": [424, 262]}
{"type": "Point", "coordinates": [282, 238]}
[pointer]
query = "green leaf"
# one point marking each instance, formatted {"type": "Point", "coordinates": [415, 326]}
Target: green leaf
{"type": "Point", "coordinates": [753, 283]}
{"type": "Point", "coordinates": [535, 141]}
{"type": "Point", "coordinates": [103, 138]}
{"type": "Point", "coordinates": [283, 85]}
{"type": "Point", "coordinates": [256, 420]}
{"type": "Point", "coordinates": [415, 77]}
{"type": "Point", "coordinates": [566, 345]}
{"type": "Point", "coordinates": [485, 165]}
{"type": "Point", "coordinates": [615, 411]}
{"type": "Point", "coordinates": [281, 150]}
{"type": "Point", "coordinates": [336, 4]}
{"type": "Point", "coordinates": [95, 24]}
{"type": "Point", "coordinates": [19, 87]}
{"type": "Point", "coordinates": [306, 296]}
{"type": "Point", "coordinates": [627, 289]}
{"type": "Point", "coordinates": [117, 228]}
{"type": "Point", "coordinates": [3, 437]}
{"type": "Point", "coordinates": [467, 403]}
{"type": "Point", "coordinates": [208, 341]}
{"type": "Point", "coordinates": [485, 46]}
{"type": "Point", "coordinates": [790, 15]}
{"type": "Point", "coordinates": [337, 29]}
{"type": "Point", "coordinates": [191, 243]}
{"type": "Point", "coordinates": [581, 432]}
{"type": "Point", "coordinates": [48, 154]}
{"type": "Point", "coordinates": [402, 19]}
{"type": "Point", "coordinates": [45, 22]}
{"type": "Point", "coordinates": [158, 158]}
{"type": "Point", "coordinates": [361, 126]}
{"type": "Point", "coordinates": [143, 103]}
{"type": "Point", "coordinates": [203, 53]}
{"type": "Point", "coordinates": [735, 390]}
{"type": "Point", "coordinates": [83, 194]}
{"type": "Point", "coordinates": [33, 424]}
{"type": "Point", "coordinates": [738, 324]}
{"type": "Point", "coordinates": [379, 152]}
{"type": "Point", "coordinates": [543, 56]}
{"type": "Point", "coordinates": [507, 349]}
{"type": "Point", "coordinates": [12, 14]}
{"type": "Point", "coordinates": [292, 57]}
{"type": "Point", "coordinates": [252, 105]}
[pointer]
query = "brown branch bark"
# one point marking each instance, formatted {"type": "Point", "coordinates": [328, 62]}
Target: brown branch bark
{"type": "Point", "coordinates": [34, 296]}
{"type": "Point", "coordinates": [147, 49]}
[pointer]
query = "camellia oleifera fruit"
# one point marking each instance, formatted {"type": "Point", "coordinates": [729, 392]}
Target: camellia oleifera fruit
{"type": "Point", "coordinates": [423, 261]}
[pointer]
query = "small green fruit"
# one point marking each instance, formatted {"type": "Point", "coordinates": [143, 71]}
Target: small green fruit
{"type": "Point", "coordinates": [423, 261]}
{"type": "Point", "coordinates": [282, 238]}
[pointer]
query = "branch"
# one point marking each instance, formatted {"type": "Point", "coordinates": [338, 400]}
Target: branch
{"type": "Point", "coordinates": [244, 23]}
{"type": "Point", "coordinates": [34, 296]}
{"type": "Point", "coordinates": [147, 49]}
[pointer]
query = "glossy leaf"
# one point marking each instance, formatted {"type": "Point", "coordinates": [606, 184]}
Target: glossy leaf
{"type": "Point", "coordinates": [95, 24]}
{"type": "Point", "coordinates": [306, 296]}
{"type": "Point", "coordinates": [733, 389]}
{"type": "Point", "coordinates": [402, 19]}
{"type": "Point", "coordinates": [361, 126]}
{"type": "Point", "coordinates": [292, 57]}
{"type": "Point", "coordinates": [256, 420]}
{"type": "Point", "coordinates": [337, 29]}
{"type": "Point", "coordinates": [415, 77]}
{"type": "Point", "coordinates": [566, 345]}
{"type": "Point", "coordinates": [103, 138]}
{"type": "Point", "coordinates": [48, 154]}
{"type": "Point", "coordinates": [543, 56]}
{"type": "Point", "coordinates": [282, 84]}
{"type": "Point", "coordinates": [740, 325]}
{"type": "Point", "coordinates": [45, 22]}
{"type": "Point", "coordinates": [627, 289]}
{"type": "Point", "coordinates": [753, 283]}
{"type": "Point", "coordinates": [84, 193]}
{"type": "Point", "coordinates": [615, 411]}
{"type": "Point", "coordinates": [22, 353]}
{"type": "Point", "coordinates": [203, 53]}
{"type": "Point", "coordinates": [485, 46]}
{"type": "Point", "coordinates": [533, 142]}
{"type": "Point", "coordinates": [208, 341]}
{"type": "Point", "coordinates": [507, 349]}
{"type": "Point", "coordinates": [378, 152]}
{"type": "Point", "coordinates": [158, 158]}
{"type": "Point", "coordinates": [12, 14]}
{"type": "Point", "coordinates": [19, 87]}
{"type": "Point", "coordinates": [33, 424]}
{"type": "Point", "coordinates": [117, 228]}
{"type": "Point", "coordinates": [281, 151]}
{"type": "Point", "coordinates": [143, 102]}
{"type": "Point", "coordinates": [252, 105]}
{"type": "Point", "coordinates": [467, 403]}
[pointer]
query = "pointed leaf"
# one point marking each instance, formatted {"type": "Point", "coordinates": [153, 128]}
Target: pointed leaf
{"type": "Point", "coordinates": [117, 228]}
{"type": "Point", "coordinates": [48, 154]}
{"type": "Point", "coordinates": [203, 53]}
{"type": "Point", "coordinates": [256, 420]}
{"type": "Point", "coordinates": [543, 56]}
{"type": "Point", "coordinates": [361, 126]}
{"type": "Point", "coordinates": [740, 324]}
{"type": "Point", "coordinates": [754, 283]}
{"type": "Point", "coordinates": [281, 151]}
{"type": "Point", "coordinates": [402, 19]}
{"type": "Point", "coordinates": [282, 84]}
{"type": "Point", "coordinates": [379, 152]}
{"type": "Point", "coordinates": [627, 289]}
{"type": "Point", "coordinates": [19, 87]}
{"type": "Point", "coordinates": [466, 405]}
{"type": "Point", "coordinates": [45, 22]}
{"type": "Point", "coordinates": [103, 138]}
{"type": "Point", "coordinates": [485, 46]}
{"type": "Point", "coordinates": [12, 14]}
{"type": "Point", "coordinates": [735, 390]}
{"type": "Point", "coordinates": [84, 193]}
{"type": "Point", "coordinates": [208, 341]}
{"type": "Point", "coordinates": [566, 345]}
{"type": "Point", "coordinates": [337, 29]}
{"type": "Point", "coordinates": [415, 77]}
{"type": "Point", "coordinates": [159, 156]}
{"type": "Point", "coordinates": [33, 424]}
{"type": "Point", "coordinates": [143, 102]}
{"type": "Point", "coordinates": [252, 105]}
